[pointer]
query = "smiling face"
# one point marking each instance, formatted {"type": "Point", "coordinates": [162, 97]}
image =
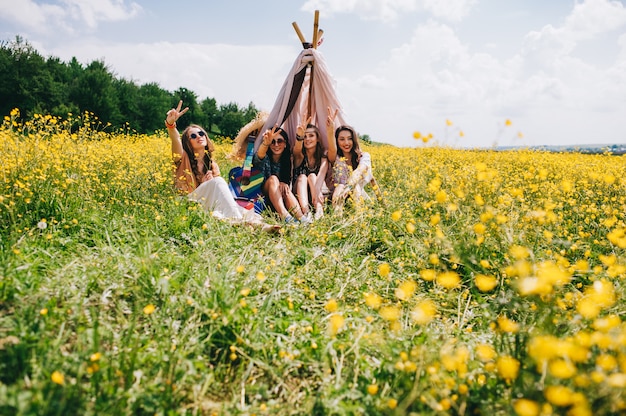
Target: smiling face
{"type": "Point", "coordinates": [278, 146]}
{"type": "Point", "coordinates": [310, 138]}
{"type": "Point", "coordinates": [197, 139]}
{"type": "Point", "coordinates": [345, 142]}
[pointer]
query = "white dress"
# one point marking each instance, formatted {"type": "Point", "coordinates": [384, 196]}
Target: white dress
{"type": "Point", "coordinates": [214, 195]}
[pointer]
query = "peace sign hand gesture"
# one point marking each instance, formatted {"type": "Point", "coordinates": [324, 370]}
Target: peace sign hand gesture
{"type": "Point", "coordinates": [270, 135]}
{"type": "Point", "coordinates": [174, 114]}
{"type": "Point", "coordinates": [302, 127]}
{"type": "Point", "coordinates": [330, 120]}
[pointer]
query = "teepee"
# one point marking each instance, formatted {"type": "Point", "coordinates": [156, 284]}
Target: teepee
{"type": "Point", "coordinates": [308, 90]}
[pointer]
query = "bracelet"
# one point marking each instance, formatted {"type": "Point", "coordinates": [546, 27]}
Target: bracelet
{"type": "Point", "coordinates": [170, 126]}
{"type": "Point", "coordinates": [299, 138]}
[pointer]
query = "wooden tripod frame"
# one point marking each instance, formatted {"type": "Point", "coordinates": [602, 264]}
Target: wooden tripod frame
{"type": "Point", "coordinates": [317, 36]}
{"type": "Point", "coordinates": [317, 33]}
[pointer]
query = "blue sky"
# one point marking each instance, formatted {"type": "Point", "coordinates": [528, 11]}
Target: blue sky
{"type": "Point", "coordinates": [457, 69]}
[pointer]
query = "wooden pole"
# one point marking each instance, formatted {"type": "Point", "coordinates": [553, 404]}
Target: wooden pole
{"type": "Point", "coordinates": [299, 33]}
{"type": "Point", "coordinates": [316, 23]}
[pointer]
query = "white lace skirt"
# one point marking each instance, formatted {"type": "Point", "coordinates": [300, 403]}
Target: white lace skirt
{"type": "Point", "coordinates": [215, 197]}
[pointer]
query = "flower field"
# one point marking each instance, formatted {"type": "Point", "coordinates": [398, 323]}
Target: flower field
{"type": "Point", "coordinates": [484, 282]}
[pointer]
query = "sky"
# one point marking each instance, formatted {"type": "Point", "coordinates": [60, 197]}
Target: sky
{"type": "Point", "coordinates": [471, 73]}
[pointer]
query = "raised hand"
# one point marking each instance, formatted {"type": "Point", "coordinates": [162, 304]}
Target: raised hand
{"type": "Point", "coordinates": [330, 120]}
{"type": "Point", "coordinates": [270, 135]}
{"type": "Point", "coordinates": [302, 127]}
{"type": "Point", "coordinates": [174, 114]}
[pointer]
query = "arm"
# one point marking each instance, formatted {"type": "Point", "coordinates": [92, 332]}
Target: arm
{"type": "Point", "coordinates": [170, 123]}
{"type": "Point", "coordinates": [363, 173]}
{"type": "Point", "coordinates": [298, 156]}
{"type": "Point", "coordinates": [268, 136]}
{"type": "Point", "coordinates": [215, 168]}
{"type": "Point", "coordinates": [330, 135]}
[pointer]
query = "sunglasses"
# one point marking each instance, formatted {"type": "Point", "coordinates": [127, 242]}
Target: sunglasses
{"type": "Point", "coordinates": [195, 136]}
{"type": "Point", "coordinates": [278, 141]}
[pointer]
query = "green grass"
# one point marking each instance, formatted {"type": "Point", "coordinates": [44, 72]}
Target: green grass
{"type": "Point", "coordinates": [245, 322]}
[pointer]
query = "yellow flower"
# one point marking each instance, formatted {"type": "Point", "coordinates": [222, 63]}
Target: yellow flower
{"type": "Point", "coordinates": [562, 369]}
{"type": "Point", "coordinates": [526, 407]}
{"type": "Point", "coordinates": [559, 395]}
{"type": "Point", "coordinates": [448, 280]}
{"type": "Point", "coordinates": [417, 135]}
{"type": "Point", "coordinates": [58, 378]}
{"type": "Point", "coordinates": [396, 215]}
{"type": "Point", "coordinates": [485, 283]}
{"type": "Point", "coordinates": [95, 356]}
{"type": "Point", "coordinates": [392, 403]}
{"type": "Point", "coordinates": [373, 300]}
{"type": "Point", "coordinates": [606, 362]}
{"type": "Point", "coordinates": [384, 270]}
{"type": "Point", "coordinates": [424, 312]}
{"type": "Point", "coordinates": [507, 325]}
{"type": "Point", "coordinates": [240, 269]}
{"type": "Point", "coordinates": [428, 274]}
{"type": "Point", "coordinates": [149, 309]}
{"type": "Point", "coordinates": [390, 313]}
{"type": "Point", "coordinates": [43, 312]}
{"type": "Point", "coordinates": [479, 228]}
{"type": "Point", "coordinates": [441, 196]}
{"type": "Point", "coordinates": [508, 367]}
{"type": "Point", "coordinates": [485, 352]}
{"type": "Point", "coordinates": [406, 290]}
{"type": "Point", "coordinates": [331, 305]}
{"type": "Point", "coordinates": [507, 122]}
{"type": "Point", "coordinates": [410, 227]}
{"type": "Point", "coordinates": [372, 389]}
{"type": "Point", "coordinates": [335, 324]}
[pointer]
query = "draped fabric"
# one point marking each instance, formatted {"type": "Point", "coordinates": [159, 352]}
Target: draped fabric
{"type": "Point", "coordinates": [309, 75]}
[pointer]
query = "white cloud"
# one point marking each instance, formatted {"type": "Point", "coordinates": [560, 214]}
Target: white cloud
{"type": "Point", "coordinates": [93, 11]}
{"type": "Point", "coordinates": [390, 10]}
{"type": "Point", "coordinates": [71, 16]}
{"type": "Point", "coordinates": [454, 10]}
{"type": "Point", "coordinates": [593, 17]}
{"type": "Point", "coordinates": [587, 21]}
{"type": "Point", "coordinates": [29, 14]}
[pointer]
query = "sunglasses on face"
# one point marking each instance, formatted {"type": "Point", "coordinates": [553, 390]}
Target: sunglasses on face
{"type": "Point", "coordinates": [278, 141]}
{"type": "Point", "coordinates": [195, 136]}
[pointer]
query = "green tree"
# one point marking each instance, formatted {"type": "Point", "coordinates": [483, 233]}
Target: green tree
{"type": "Point", "coordinates": [153, 103]}
{"type": "Point", "coordinates": [94, 91]}
{"type": "Point", "coordinates": [231, 119]}
{"type": "Point", "coordinates": [127, 94]}
{"type": "Point", "coordinates": [211, 113]}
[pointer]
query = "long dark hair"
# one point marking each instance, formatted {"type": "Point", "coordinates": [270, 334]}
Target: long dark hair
{"type": "Point", "coordinates": [355, 152]}
{"type": "Point", "coordinates": [208, 151]}
{"type": "Point", "coordinates": [319, 149]}
{"type": "Point", "coordinates": [285, 158]}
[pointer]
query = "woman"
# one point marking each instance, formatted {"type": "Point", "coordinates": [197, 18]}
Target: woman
{"type": "Point", "coordinates": [352, 168]}
{"type": "Point", "coordinates": [198, 175]}
{"type": "Point", "coordinates": [310, 171]}
{"type": "Point", "coordinates": [273, 158]}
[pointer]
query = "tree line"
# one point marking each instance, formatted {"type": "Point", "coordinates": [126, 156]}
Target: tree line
{"type": "Point", "coordinates": [38, 85]}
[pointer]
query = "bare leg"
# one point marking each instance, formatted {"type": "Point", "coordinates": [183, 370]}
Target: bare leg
{"type": "Point", "coordinates": [316, 195]}
{"type": "Point", "coordinates": [302, 194]}
{"type": "Point", "coordinates": [291, 203]}
{"type": "Point", "coordinates": [271, 188]}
